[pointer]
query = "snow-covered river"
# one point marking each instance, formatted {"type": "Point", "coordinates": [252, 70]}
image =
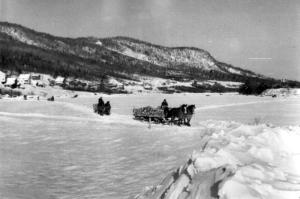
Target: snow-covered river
{"type": "Point", "coordinates": [64, 150]}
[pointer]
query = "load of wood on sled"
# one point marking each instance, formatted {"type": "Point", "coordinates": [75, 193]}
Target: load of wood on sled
{"type": "Point", "coordinates": [148, 111]}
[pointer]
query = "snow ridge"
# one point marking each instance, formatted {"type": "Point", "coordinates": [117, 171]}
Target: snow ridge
{"type": "Point", "coordinates": [263, 162]}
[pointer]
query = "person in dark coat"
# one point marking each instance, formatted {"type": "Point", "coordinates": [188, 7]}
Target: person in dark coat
{"type": "Point", "coordinates": [100, 102]}
{"type": "Point", "coordinates": [164, 104]}
{"type": "Point", "coordinates": [100, 106]}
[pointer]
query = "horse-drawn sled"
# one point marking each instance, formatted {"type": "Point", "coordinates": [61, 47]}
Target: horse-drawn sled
{"type": "Point", "coordinates": [165, 115]}
{"type": "Point", "coordinates": [101, 108]}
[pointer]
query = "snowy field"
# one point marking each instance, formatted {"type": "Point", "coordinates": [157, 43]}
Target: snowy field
{"type": "Point", "coordinates": [63, 150]}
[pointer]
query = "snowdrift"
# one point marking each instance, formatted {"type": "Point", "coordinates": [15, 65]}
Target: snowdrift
{"type": "Point", "coordinates": [282, 92]}
{"type": "Point", "coordinates": [237, 161]}
{"type": "Point", "coordinates": [231, 160]}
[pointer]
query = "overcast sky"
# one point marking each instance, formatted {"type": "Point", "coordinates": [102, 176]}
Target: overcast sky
{"type": "Point", "coordinates": [260, 35]}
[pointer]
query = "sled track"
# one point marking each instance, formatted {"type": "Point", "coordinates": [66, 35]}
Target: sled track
{"type": "Point", "coordinates": [106, 120]}
{"type": "Point", "coordinates": [114, 118]}
{"type": "Point", "coordinates": [44, 116]}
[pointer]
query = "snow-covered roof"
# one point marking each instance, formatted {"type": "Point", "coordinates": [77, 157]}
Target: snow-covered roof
{"type": "Point", "coordinates": [99, 43]}
{"type": "Point", "coordinates": [59, 79]}
{"type": "Point", "coordinates": [114, 82]}
{"type": "Point", "coordinates": [282, 92]}
{"type": "Point", "coordinates": [35, 77]}
{"type": "Point", "coordinates": [24, 76]}
{"type": "Point", "coordinates": [10, 81]}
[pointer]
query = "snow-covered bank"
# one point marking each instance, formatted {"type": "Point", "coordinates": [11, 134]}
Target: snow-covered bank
{"type": "Point", "coordinates": [243, 161]}
{"type": "Point", "coordinates": [279, 92]}
{"type": "Point", "coordinates": [47, 86]}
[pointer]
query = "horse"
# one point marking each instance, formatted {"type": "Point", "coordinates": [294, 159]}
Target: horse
{"type": "Point", "coordinates": [51, 99]}
{"type": "Point", "coordinates": [107, 108]}
{"type": "Point", "coordinates": [179, 113]}
{"type": "Point", "coordinates": [100, 109]}
{"type": "Point", "coordinates": [188, 116]}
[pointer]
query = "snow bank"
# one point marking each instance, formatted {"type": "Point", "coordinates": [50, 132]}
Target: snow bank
{"type": "Point", "coordinates": [238, 161]}
{"type": "Point", "coordinates": [145, 82]}
{"type": "Point", "coordinates": [282, 92]}
{"type": "Point", "coordinates": [99, 43]}
{"type": "Point", "coordinates": [156, 83]}
{"type": "Point", "coordinates": [232, 70]}
{"type": "Point", "coordinates": [115, 82]}
{"type": "Point", "coordinates": [136, 55]}
{"type": "Point", "coordinates": [227, 84]}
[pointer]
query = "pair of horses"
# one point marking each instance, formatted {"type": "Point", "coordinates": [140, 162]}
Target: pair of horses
{"type": "Point", "coordinates": [51, 99]}
{"type": "Point", "coordinates": [103, 109]}
{"type": "Point", "coordinates": [183, 114]}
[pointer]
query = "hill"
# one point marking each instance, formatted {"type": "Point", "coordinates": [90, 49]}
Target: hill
{"type": "Point", "coordinates": [90, 58]}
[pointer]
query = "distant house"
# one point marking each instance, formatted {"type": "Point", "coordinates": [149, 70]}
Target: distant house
{"type": "Point", "coordinates": [36, 77]}
{"type": "Point", "coordinates": [2, 77]}
{"type": "Point", "coordinates": [24, 79]}
{"type": "Point", "coordinates": [10, 81]}
{"type": "Point", "coordinates": [114, 83]}
{"type": "Point", "coordinates": [59, 80]}
{"type": "Point", "coordinates": [147, 86]}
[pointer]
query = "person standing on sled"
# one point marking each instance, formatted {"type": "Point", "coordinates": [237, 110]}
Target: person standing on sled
{"type": "Point", "coordinates": [164, 104]}
{"type": "Point", "coordinates": [100, 106]}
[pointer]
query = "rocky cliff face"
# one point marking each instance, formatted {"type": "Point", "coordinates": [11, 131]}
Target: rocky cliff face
{"type": "Point", "coordinates": [162, 56]}
{"type": "Point", "coordinates": [168, 57]}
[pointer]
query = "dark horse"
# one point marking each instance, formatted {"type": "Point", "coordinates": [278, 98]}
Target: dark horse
{"type": "Point", "coordinates": [179, 113]}
{"type": "Point", "coordinates": [107, 108]}
{"type": "Point", "coordinates": [188, 116]}
{"type": "Point", "coordinates": [51, 99]}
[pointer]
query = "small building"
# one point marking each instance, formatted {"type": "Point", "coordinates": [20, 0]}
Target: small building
{"type": "Point", "coordinates": [2, 77]}
{"type": "Point", "coordinates": [10, 81]}
{"type": "Point", "coordinates": [59, 80]}
{"type": "Point", "coordinates": [24, 78]}
{"type": "Point", "coordinates": [36, 80]}
{"type": "Point", "coordinates": [36, 77]}
{"type": "Point", "coordinates": [147, 86]}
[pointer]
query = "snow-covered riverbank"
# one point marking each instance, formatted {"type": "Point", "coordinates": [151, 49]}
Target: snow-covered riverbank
{"type": "Point", "coordinates": [260, 162]}
{"type": "Point", "coordinates": [62, 149]}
